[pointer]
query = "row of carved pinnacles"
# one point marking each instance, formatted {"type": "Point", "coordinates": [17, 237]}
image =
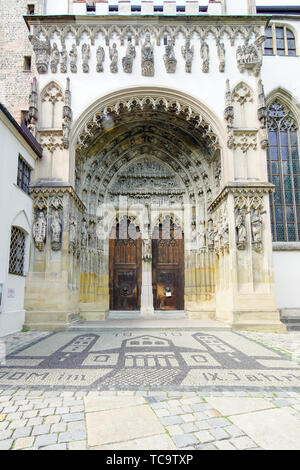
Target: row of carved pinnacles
{"type": "Point", "coordinates": [249, 56]}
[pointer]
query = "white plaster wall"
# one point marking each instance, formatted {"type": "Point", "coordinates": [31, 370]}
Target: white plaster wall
{"type": "Point", "coordinates": [287, 279]}
{"type": "Point", "coordinates": [15, 209]}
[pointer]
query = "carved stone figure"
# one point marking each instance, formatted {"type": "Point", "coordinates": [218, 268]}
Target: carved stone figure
{"type": "Point", "coordinates": [73, 59]}
{"type": "Point", "coordinates": [249, 56]}
{"type": "Point", "coordinates": [56, 228]}
{"type": "Point", "coordinates": [67, 116]}
{"type": "Point", "coordinates": [113, 55]}
{"type": "Point", "coordinates": [39, 231]}
{"type": "Point", "coordinates": [127, 61]}
{"type": "Point", "coordinates": [72, 232]}
{"type": "Point", "coordinates": [188, 52]}
{"type": "Point", "coordinates": [100, 56]}
{"type": "Point", "coordinates": [257, 230]}
{"type": "Point", "coordinates": [221, 54]}
{"type": "Point", "coordinates": [241, 231]}
{"type": "Point", "coordinates": [169, 57]}
{"type": "Point", "coordinates": [54, 58]}
{"type": "Point", "coordinates": [204, 51]}
{"type": "Point", "coordinates": [147, 251]}
{"type": "Point", "coordinates": [42, 51]}
{"type": "Point", "coordinates": [147, 57]}
{"type": "Point", "coordinates": [32, 116]}
{"type": "Point", "coordinates": [63, 62]}
{"type": "Point", "coordinates": [86, 53]}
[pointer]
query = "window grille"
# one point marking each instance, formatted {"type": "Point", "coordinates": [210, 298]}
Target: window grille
{"type": "Point", "coordinates": [17, 251]}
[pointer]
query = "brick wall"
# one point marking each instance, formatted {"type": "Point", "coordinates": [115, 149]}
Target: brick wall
{"type": "Point", "coordinates": [14, 45]}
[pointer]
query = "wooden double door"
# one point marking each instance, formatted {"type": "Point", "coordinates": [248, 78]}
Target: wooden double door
{"type": "Point", "coordinates": [125, 269]}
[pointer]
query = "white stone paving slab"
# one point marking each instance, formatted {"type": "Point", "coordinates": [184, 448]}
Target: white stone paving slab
{"type": "Point", "coordinates": [110, 403]}
{"type": "Point", "coordinates": [158, 442]}
{"type": "Point", "coordinates": [238, 405]}
{"type": "Point", "coordinates": [274, 429]}
{"type": "Point", "coordinates": [122, 424]}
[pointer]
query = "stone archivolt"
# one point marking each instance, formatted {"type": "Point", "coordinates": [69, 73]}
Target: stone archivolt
{"type": "Point", "coordinates": [153, 104]}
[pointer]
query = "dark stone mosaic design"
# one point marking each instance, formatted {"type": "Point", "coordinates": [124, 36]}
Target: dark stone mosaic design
{"type": "Point", "coordinates": [159, 360]}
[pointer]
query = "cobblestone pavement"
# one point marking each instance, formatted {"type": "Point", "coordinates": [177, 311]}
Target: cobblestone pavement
{"type": "Point", "coordinates": [59, 420]}
{"type": "Point", "coordinates": [243, 419]}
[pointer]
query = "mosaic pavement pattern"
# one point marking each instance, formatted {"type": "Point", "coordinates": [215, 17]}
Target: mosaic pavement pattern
{"type": "Point", "coordinates": [155, 360]}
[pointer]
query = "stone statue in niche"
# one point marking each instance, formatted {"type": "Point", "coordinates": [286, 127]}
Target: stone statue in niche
{"type": "Point", "coordinates": [73, 59]}
{"type": "Point", "coordinates": [147, 251]}
{"type": "Point", "coordinates": [63, 62]}
{"type": "Point", "coordinates": [113, 55]}
{"type": "Point", "coordinates": [169, 57]}
{"type": "Point", "coordinates": [204, 51]}
{"type": "Point", "coordinates": [56, 228]}
{"type": "Point", "coordinates": [100, 56]}
{"type": "Point", "coordinates": [147, 57]}
{"type": "Point", "coordinates": [127, 61]}
{"type": "Point", "coordinates": [241, 231]}
{"type": "Point", "coordinates": [54, 58]}
{"type": "Point", "coordinates": [221, 54]}
{"type": "Point", "coordinates": [188, 52]}
{"type": "Point", "coordinates": [86, 53]}
{"type": "Point", "coordinates": [39, 231]}
{"type": "Point", "coordinates": [42, 50]}
{"type": "Point", "coordinates": [257, 230]}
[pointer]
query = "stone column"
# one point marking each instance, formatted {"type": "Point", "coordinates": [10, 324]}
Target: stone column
{"type": "Point", "coordinates": [147, 289]}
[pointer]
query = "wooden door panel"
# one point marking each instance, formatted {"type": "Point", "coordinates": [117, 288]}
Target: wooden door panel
{"type": "Point", "coordinates": [168, 271]}
{"type": "Point", "coordinates": [125, 273]}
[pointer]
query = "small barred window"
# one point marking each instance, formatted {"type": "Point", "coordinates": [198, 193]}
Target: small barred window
{"type": "Point", "coordinates": [24, 172]}
{"type": "Point", "coordinates": [17, 251]}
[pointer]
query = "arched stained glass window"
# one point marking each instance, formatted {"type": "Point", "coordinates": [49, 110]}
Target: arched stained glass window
{"type": "Point", "coordinates": [284, 173]}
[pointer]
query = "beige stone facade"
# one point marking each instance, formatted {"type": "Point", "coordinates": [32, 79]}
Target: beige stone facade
{"type": "Point", "coordinates": [151, 117]}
